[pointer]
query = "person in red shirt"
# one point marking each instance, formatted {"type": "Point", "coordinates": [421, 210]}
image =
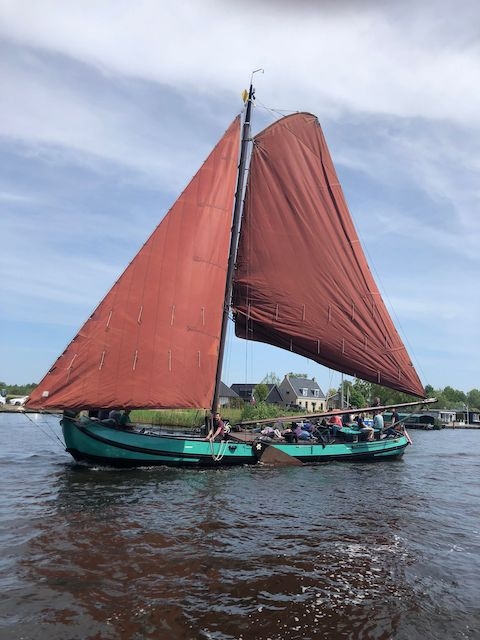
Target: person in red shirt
{"type": "Point", "coordinates": [217, 428]}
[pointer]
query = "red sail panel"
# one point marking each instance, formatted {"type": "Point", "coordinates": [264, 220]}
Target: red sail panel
{"type": "Point", "coordinates": [153, 340]}
{"type": "Point", "coordinates": [302, 282]}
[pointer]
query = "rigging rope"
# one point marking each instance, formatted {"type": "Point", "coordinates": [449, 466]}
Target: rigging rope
{"type": "Point", "coordinates": [221, 450]}
{"type": "Point", "coordinates": [50, 433]}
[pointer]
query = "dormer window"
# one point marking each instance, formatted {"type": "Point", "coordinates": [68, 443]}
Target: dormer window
{"type": "Point", "coordinates": [304, 392]}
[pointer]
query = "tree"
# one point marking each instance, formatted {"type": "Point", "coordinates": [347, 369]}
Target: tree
{"type": "Point", "coordinates": [18, 389]}
{"type": "Point", "coordinates": [332, 392]}
{"type": "Point", "coordinates": [390, 396]}
{"type": "Point", "coordinates": [260, 392]}
{"type": "Point", "coordinates": [453, 395]}
{"type": "Point", "coordinates": [357, 399]}
{"type": "Point", "coordinates": [361, 393]}
{"type": "Point", "coordinates": [430, 391]}
{"type": "Point", "coordinates": [271, 378]}
{"type": "Point", "coordinates": [473, 399]}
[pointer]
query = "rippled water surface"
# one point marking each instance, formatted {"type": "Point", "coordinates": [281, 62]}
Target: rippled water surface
{"type": "Point", "coordinates": [361, 551]}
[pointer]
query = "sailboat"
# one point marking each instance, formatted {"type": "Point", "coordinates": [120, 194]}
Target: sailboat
{"type": "Point", "coordinates": [274, 248]}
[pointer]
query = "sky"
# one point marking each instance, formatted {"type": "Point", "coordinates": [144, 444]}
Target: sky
{"type": "Point", "coordinates": [109, 107]}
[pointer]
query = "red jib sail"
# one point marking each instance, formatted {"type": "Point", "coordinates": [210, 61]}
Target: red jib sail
{"type": "Point", "coordinates": [302, 282]}
{"type": "Point", "coordinates": [153, 340]}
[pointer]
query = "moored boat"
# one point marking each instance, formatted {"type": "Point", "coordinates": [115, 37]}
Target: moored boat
{"type": "Point", "coordinates": [420, 421]}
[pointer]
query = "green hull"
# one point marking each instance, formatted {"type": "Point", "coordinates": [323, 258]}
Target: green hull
{"type": "Point", "coordinates": [96, 443]}
{"type": "Point", "coordinates": [345, 451]}
{"type": "Point", "coordinates": [93, 442]}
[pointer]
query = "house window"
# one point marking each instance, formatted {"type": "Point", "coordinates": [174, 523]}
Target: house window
{"type": "Point", "coordinates": [316, 393]}
{"type": "Point", "coordinates": [304, 392]}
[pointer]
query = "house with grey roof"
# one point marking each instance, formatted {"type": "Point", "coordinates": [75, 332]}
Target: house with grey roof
{"type": "Point", "coordinates": [304, 393]}
{"type": "Point", "coordinates": [274, 396]}
{"type": "Point", "coordinates": [244, 390]}
{"type": "Point", "coordinates": [226, 395]}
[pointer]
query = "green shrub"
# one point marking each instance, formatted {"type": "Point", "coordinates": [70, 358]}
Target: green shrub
{"type": "Point", "coordinates": [263, 411]}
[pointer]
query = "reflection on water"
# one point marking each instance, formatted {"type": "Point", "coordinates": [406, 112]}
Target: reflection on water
{"type": "Point", "coordinates": [337, 551]}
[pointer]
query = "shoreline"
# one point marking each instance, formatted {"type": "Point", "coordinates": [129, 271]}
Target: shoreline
{"type": "Point", "coordinates": [8, 408]}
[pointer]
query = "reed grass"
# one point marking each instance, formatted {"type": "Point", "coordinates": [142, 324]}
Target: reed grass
{"type": "Point", "coordinates": [192, 418]}
{"type": "Point", "coordinates": [171, 418]}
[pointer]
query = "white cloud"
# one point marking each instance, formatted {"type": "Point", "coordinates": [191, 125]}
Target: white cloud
{"type": "Point", "coordinates": [100, 126]}
{"type": "Point", "coordinates": [415, 62]}
{"type": "Point", "coordinates": [72, 123]}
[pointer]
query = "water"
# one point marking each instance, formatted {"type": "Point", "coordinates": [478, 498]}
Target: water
{"type": "Point", "coordinates": [339, 551]}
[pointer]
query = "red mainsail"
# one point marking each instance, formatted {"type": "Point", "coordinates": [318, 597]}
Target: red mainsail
{"type": "Point", "coordinates": [153, 340]}
{"type": "Point", "coordinates": [302, 282]}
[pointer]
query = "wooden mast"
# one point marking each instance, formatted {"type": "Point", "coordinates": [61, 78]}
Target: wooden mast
{"type": "Point", "coordinates": [237, 211]}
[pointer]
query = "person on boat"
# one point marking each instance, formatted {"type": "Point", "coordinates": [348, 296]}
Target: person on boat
{"type": "Point", "coordinates": [289, 435]}
{"type": "Point", "coordinates": [347, 419]}
{"type": "Point", "coordinates": [300, 432]}
{"type": "Point", "coordinates": [113, 417]}
{"type": "Point", "coordinates": [124, 419]}
{"type": "Point", "coordinates": [365, 430]}
{"type": "Point", "coordinates": [318, 431]}
{"type": "Point", "coordinates": [273, 432]}
{"type": "Point", "coordinates": [336, 425]}
{"type": "Point", "coordinates": [117, 418]}
{"type": "Point", "coordinates": [217, 428]}
{"type": "Point", "coordinates": [269, 432]}
{"type": "Point", "coordinates": [304, 434]}
{"type": "Point", "coordinates": [395, 417]}
{"type": "Point", "coordinates": [278, 429]}
{"type": "Point", "coordinates": [395, 427]}
{"type": "Point", "coordinates": [378, 423]}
